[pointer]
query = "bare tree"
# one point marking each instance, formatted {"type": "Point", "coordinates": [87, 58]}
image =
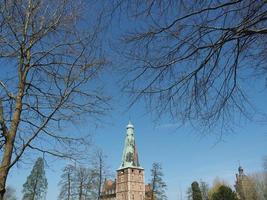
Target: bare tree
{"type": "Point", "coordinates": [49, 56]}
{"type": "Point", "coordinates": [157, 184]}
{"type": "Point", "coordinates": [204, 188]}
{"type": "Point", "coordinates": [192, 59]}
{"type": "Point", "coordinates": [67, 183]}
{"type": "Point", "coordinates": [260, 185]}
{"type": "Point", "coordinates": [82, 182]}
{"type": "Point", "coordinates": [99, 172]}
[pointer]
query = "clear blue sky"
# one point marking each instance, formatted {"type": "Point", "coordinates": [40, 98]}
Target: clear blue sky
{"type": "Point", "coordinates": [185, 154]}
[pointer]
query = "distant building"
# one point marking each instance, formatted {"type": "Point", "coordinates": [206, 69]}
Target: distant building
{"type": "Point", "coordinates": [129, 184]}
{"type": "Point", "coordinates": [109, 190]}
{"type": "Point", "coordinates": [244, 186]}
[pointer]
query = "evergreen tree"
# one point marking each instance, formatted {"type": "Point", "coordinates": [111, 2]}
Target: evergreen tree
{"type": "Point", "coordinates": [35, 186]}
{"type": "Point", "coordinates": [158, 186]}
{"type": "Point", "coordinates": [196, 193]}
{"type": "Point", "coordinates": [224, 193]}
{"type": "Point", "coordinates": [189, 194]}
{"type": "Point", "coordinates": [217, 183]}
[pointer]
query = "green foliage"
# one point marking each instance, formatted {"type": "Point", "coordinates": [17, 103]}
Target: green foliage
{"type": "Point", "coordinates": [158, 186]}
{"type": "Point", "coordinates": [196, 193]}
{"type": "Point", "coordinates": [224, 193]}
{"type": "Point", "coordinates": [189, 193]}
{"type": "Point", "coordinates": [35, 186]}
{"type": "Point", "coordinates": [217, 183]}
{"type": "Point", "coordinates": [204, 190]}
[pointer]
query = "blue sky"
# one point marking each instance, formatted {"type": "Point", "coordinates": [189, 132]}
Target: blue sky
{"type": "Point", "coordinates": [186, 154]}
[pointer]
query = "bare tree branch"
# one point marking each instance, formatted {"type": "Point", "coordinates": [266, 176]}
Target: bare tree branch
{"type": "Point", "coordinates": [53, 55]}
{"type": "Point", "coordinates": [190, 61]}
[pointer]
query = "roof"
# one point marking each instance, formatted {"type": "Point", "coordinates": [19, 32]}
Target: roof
{"type": "Point", "coordinates": [130, 154]}
{"type": "Point", "coordinates": [109, 187]}
{"type": "Point", "coordinates": [109, 184]}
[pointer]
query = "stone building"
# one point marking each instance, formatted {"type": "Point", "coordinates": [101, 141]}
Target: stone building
{"type": "Point", "coordinates": [244, 186]}
{"type": "Point", "coordinates": [129, 184]}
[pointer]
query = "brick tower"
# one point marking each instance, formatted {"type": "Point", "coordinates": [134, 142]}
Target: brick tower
{"type": "Point", "coordinates": [130, 175]}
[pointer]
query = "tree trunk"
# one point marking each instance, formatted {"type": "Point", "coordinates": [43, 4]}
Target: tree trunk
{"type": "Point", "coordinates": [4, 169]}
{"type": "Point", "coordinates": [100, 178]}
{"type": "Point", "coordinates": [81, 191]}
{"type": "Point", "coordinates": [10, 137]}
{"type": "Point", "coordinates": [69, 186]}
{"type": "Point", "coordinates": [6, 160]}
{"type": "Point", "coordinates": [35, 186]}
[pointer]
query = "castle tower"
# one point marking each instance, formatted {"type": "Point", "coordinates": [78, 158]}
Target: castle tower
{"type": "Point", "coordinates": [244, 186]}
{"type": "Point", "coordinates": [130, 175]}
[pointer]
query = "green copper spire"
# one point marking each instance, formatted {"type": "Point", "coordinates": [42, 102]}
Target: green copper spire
{"type": "Point", "coordinates": [130, 155]}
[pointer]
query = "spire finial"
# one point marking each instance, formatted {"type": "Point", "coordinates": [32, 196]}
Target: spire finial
{"type": "Point", "coordinates": [130, 125]}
